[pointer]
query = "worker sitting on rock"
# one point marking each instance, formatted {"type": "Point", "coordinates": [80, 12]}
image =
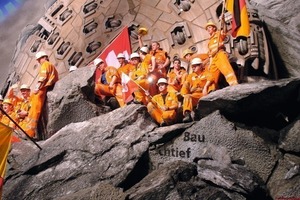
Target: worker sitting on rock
{"type": "Point", "coordinates": [109, 83]}
{"type": "Point", "coordinates": [139, 76]}
{"type": "Point", "coordinates": [162, 107]}
{"type": "Point", "coordinates": [176, 76]}
{"type": "Point", "coordinates": [188, 55]}
{"type": "Point", "coordinates": [124, 66]}
{"type": "Point", "coordinates": [192, 89]}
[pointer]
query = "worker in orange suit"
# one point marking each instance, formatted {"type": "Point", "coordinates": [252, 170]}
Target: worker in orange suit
{"type": "Point", "coordinates": [139, 76]}
{"type": "Point", "coordinates": [160, 62]}
{"type": "Point", "coordinates": [176, 76]}
{"type": "Point", "coordinates": [145, 56]}
{"type": "Point", "coordinates": [22, 104]}
{"type": "Point", "coordinates": [109, 83]}
{"type": "Point", "coordinates": [124, 67]}
{"type": "Point", "coordinates": [8, 107]}
{"type": "Point", "coordinates": [160, 59]}
{"type": "Point", "coordinates": [188, 55]}
{"type": "Point", "coordinates": [219, 62]}
{"type": "Point", "coordinates": [47, 77]}
{"type": "Point", "coordinates": [192, 89]}
{"type": "Point", "coordinates": [162, 107]}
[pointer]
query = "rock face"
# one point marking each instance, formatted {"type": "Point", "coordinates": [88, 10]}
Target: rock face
{"type": "Point", "coordinates": [215, 138]}
{"type": "Point", "coordinates": [105, 148]}
{"type": "Point", "coordinates": [245, 144]}
{"type": "Point", "coordinates": [282, 20]}
{"type": "Point", "coordinates": [125, 154]}
{"type": "Point", "coordinates": [72, 100]}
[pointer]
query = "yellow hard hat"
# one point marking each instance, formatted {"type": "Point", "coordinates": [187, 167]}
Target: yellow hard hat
{"type": "Point", "coordinates": [186, 52]}
{"type": "Point", "coordinates": [143, 31]}
{"type": "Point", "coordinates": [7, 101]}
{"type": "Point", "coordinates": [210, 24]}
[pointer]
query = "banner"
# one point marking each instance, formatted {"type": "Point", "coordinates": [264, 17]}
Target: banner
{"type": "Point", "coordinates": [121, 44]}
{"type": "Point", "coordinates": [128, 87]}
{"type": "Point", "coordinates": [5, 142]}
{"type": "Point", "coordinates": [240, 19]}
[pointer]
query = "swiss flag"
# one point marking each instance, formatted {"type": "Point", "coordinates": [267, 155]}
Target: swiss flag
{"type": "Point", "coordinates": [121, 44]}
{"type": "Point", "coordinates": [128, 87]}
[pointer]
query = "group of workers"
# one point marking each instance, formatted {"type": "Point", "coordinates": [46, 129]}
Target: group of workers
{"type": "Point", "coordinates": [22, 113]}
{"type": "Point", "coordinates": [169, 94]}
{"type": "Point", "coordinates": [165, 91]}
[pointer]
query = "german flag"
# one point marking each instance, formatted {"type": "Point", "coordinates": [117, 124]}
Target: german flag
{"type": "Point", "coordinates": [240, 19]}
{"type": "Point", "coordinates": [5, 142]}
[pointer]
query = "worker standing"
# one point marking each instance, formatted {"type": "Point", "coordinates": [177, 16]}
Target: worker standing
{"type": "Point", "coordinates": [219, 62]}
{"type": "Point", "coordinates": [47, 77]}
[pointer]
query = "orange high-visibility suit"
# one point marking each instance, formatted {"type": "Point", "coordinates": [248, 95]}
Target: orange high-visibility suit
{"type": "Point", "coordinates": [176, 80]}
{"type": "Point", "coordinates": [20, 104]}
{"type": "Point", "coordinates": [114, 91]}
{"type": "Point", "coordinates": [47, 77]}
{"type": "Point", "coordinates": [126, 69]}
{"type": "Point", "coordinates": [219, 60]}
{"type": "Point", "coordinates": [23, 105]}
{"type": "Point", "coordinates": [160, 59]}
{"type": "Point", "coordinates": [154, 108]}
{"type": "Point", "coordinates": [203, 56]}
{"type": "Point", "coordinates": [192, 90]}
{"type": "Point", "coordinates": [147, 60]}
{"type": "Point", "coordinates": [6, 121]}
{"type": "Point", "coordinates": [139, 75]}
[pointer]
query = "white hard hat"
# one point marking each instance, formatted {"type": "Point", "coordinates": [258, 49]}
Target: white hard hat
{"type": "Point", "coordinates": [144, 49]}
{"type": "Point", "coordinates": [72, 68]}
{"type": "Point", "coordinates": [162, 80]}
{"type": "Point", "coordinates": [97, 61]}
{"type": "Point", "coordinates": [196, 61]}
{"type": "Point", "coordinates": [120, 55]}
{"type": "Point", "coordinates": [25, 86]}
{"type": "Point", "coordinates": [40, 54]}
{"type": "Point", "coordinates": [1, 97]}
{"type": "Point", "coordinates": [134, 55]}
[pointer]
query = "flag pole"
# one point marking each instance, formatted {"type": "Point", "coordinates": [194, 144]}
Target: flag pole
{"type": "Point", "coordinates": [20, 128]}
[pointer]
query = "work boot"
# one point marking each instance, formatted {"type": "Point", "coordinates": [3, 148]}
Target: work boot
{"type": "Point", "coordinates": [137, 102]}
{"type": "Point", "coordinates": [187, 117]}
{"type": "Point", "coordinates": [163, 124]}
